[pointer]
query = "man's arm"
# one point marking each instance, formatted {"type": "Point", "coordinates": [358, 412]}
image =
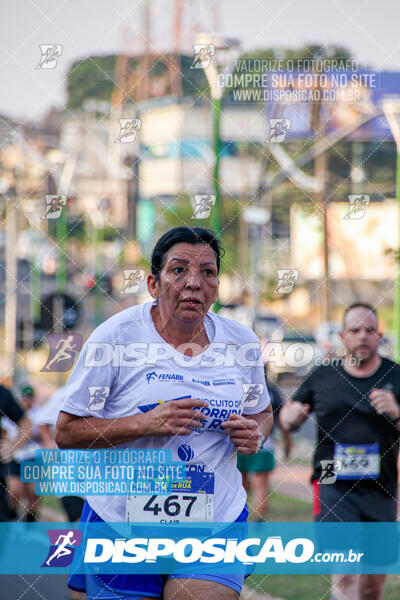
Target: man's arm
{"type": "Point", "coordinates": [8, 447]}
{"type": "Point", "coordinates": [296, 411]}
{"type": "Point", "coordinates": [385, 403]}
{"type": "Point", "coordinates": [287, 443]}
{"type": "Point", "coordinates": [46, 437]}
{"type": "Point", "coordinates": [277, 404]}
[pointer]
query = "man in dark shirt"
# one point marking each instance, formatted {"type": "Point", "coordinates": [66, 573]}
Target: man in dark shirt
{"type": "Point", "coordinates": [11, 409]}
{"type": "Point", "coordinates": [357, 409]}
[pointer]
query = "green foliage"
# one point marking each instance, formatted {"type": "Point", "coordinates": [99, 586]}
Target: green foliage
{"type": "Point", "coordinates": [76, 229]}
{"type": "Point", "coordinates": [110, 233]}
{"type": "Point", "coordinates": [90, 78]}
{"type": "Point", "coordinates": [194, 81]}
{"type": "Point", "coordinates": [93, 78]}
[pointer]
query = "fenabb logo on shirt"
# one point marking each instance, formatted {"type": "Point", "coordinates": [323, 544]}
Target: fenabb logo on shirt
{"type": "Point", "coordinates": [154, 376]}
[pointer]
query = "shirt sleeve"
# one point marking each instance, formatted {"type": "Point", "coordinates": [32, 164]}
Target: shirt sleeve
{"type": "Point", "coordinates": [48, 413]}
{"type": "Point", "coordinates": [9, 407]}
{"type": "Point", "coordinates": [304, 393]}
{"type": "Point", "coordinates": [93, 378]}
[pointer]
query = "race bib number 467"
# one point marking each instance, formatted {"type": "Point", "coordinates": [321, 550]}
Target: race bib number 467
{"type": "Point", "coordinates": [191, 500]}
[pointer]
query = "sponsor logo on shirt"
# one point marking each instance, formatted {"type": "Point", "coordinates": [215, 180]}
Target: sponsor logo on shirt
{"type": "Point", "coordinates": [229, 381]}
{"type": "Point", "coordinates": [185, 452]}
{"type": "Point", "coordinates": [153, 376]}
{"type": "Point", "coordinates": [201, 381]}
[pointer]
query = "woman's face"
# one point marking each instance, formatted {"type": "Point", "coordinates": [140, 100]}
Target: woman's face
{"type": "Point", "coordinates": [188, 283]}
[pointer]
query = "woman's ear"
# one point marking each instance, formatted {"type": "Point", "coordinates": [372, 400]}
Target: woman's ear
{"type": "Point", "coordinates": [152, 286]}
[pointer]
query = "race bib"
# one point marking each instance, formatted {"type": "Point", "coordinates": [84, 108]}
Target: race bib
{"type": "Point", "coordinates": [188, 500]}
{"type": "Point", "coordinates": [358, 461]}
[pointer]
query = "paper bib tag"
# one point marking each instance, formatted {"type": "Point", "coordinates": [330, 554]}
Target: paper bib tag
{"type": "Point", "coordinates": [358, 461]}
{"type": "Point", "coordinates": [188, 500]}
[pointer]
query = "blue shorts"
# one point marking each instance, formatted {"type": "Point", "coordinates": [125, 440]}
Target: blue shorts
{"type": "Point", "coordinates": [120, 587]}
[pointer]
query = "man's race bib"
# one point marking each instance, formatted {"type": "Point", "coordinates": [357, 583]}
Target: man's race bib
{"type": "Point", "coordinates": [187, 500]}
{"type": "Point", "coordinates": [358, 461]}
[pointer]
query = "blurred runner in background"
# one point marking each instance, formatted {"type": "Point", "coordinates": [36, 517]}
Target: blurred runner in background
{"type": "Point", "coordinates": [357, 409]}
{"type": "Point", "coordinates": [46, 421]}
{"type": "Point", "coordinates": [11, 409]}
{"type": "Point", "coordinates": [257, 468]}
{"type": "Point", "coordinates": [22, 497]}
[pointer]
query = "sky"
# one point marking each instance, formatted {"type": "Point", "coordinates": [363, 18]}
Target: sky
{"type": "Point", "coordinates": [368, 28]}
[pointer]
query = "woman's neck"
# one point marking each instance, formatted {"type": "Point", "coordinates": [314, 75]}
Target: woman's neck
{"type": "Point", "coordinates": [176, 332]}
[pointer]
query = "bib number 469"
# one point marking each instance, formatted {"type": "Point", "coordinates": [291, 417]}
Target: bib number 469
{"type": "Point", "coordinates": [173, 505]}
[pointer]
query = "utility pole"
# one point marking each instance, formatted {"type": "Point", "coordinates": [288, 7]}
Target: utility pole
{"type": "Point", "coordinates": [216, 213]}
{"type": "Point", "coordinates": [320, 172]}
{"type": "Point", "coordinates": [10, 311]}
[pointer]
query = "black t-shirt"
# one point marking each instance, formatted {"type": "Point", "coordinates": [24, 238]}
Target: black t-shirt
{"type": "Point", "coordinates": [8, 408]}
{"type": "Point", "coordinates": [344, 415]}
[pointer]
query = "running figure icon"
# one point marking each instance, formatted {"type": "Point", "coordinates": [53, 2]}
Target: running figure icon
{"type": "Point", "coordinates": [63, 541]}
{"type": "Point", "coordinates": [63, 347]}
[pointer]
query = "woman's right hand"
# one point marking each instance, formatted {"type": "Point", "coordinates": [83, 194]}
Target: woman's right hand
{"type": "Point", "coordinates": [175, 417]}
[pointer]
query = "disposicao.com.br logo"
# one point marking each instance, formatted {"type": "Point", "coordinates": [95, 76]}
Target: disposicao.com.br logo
{"type": "Point", "coordinates": [219, 547]}
{"type": "Point", "coordinates": [215, 550]}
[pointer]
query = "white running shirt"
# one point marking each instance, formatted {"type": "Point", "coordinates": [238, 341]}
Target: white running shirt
{"type": "Point", "coordinates": [121, 357]}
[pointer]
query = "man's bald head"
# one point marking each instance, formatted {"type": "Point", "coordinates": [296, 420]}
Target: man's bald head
{"type": "Point", "coordinates": [360, 333]}
{"type": "Point", "coordinates": [364, 305]}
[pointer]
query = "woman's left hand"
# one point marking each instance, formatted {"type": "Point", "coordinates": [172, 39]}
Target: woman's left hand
{"type": "Point", "coordinates": [244, 433]}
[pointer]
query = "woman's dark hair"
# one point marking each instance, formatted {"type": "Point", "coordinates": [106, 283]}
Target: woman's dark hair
{"type": "Point", "coordinates": [189, 235]}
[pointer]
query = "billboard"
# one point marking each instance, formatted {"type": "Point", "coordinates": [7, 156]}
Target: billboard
{"type": "Point", "coordinates": [357, 243]}
{"type": "Point", "coordinates": [347, 97]}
